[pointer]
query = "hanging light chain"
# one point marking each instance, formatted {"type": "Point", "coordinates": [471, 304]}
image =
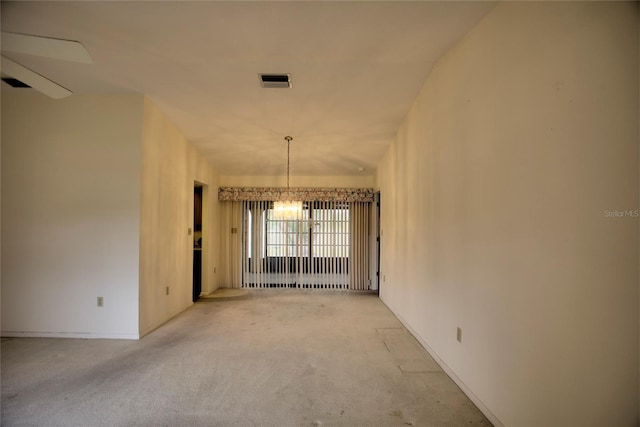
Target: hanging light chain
{"type": "Point", "coordinates": [288, 139]}
{"type": "Point", "coordinates": [287, 209]}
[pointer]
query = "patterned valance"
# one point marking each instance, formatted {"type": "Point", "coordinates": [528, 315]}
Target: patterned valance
{"type": "Point", "coordinates": [271, 194]}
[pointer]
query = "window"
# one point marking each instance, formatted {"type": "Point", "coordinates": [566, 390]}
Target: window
{"type": "Point", "coordinates": [287, 238]}
{"type": "Point", "coordinates": [326, 236]}
{"type": "Point", "coordinates": [326, 250]}
{"type": "Point", "coordinates": [330, 233]}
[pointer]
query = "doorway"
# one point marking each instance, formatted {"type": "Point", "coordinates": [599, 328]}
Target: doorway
{"type": "Point", "coordinates": [198, 243]}
{"type": "Point", "coordinates": [377, 231]}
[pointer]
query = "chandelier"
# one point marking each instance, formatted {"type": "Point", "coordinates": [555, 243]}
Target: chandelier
{"type": "Point", "coordinates": [287, 209]}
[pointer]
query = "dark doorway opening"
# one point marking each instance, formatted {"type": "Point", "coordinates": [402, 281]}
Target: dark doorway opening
{"type": "Point", "coordinates": [197, 241]}
{"type": "Point", "coordinates": [377, 249]}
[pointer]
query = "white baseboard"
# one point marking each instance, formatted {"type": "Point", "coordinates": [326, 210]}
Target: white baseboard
{"type": "Point", "coordinates": [85, 335]}
{"type": "Point", "coordinates": [466, 390]}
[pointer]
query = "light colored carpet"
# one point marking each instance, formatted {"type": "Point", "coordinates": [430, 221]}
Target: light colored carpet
{"type": "Point", "coordinates": [278, 358]}
{"type": "Point", "coordinates": [226, 293]}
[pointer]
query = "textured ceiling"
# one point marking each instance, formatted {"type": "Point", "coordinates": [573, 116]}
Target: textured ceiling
{"type": "Point", "coordinates": [356, 69]}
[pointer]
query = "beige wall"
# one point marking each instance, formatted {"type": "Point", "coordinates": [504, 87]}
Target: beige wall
{"type": "Point", "coordinates": [360, 181]}
{"type": "Point", "coordinates": [70, 215]}
{"type": "Point", "coordinates": [170, 166]}
{"type": "Point", "coordinates": [97, 200]}
{"type": "Point", "coordinates": [494, 214]}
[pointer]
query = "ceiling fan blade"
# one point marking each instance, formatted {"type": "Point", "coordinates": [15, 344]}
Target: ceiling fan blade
{"type": "Point", "coordinates": [33, 79]}
{"type": "Point", "coordinates": [66, 50]}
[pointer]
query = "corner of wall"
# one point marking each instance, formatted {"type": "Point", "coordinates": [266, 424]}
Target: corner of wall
{"type": "Point", "coordinates": [170, 168]}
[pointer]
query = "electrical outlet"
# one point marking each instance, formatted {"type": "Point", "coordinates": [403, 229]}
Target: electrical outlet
{"type": "Point", "coordinates": [459, 335]}
{"type": "Point", "coordinates": [166, 291]}
{"type": "Point", "coordinates": [189, 231]}
{"type": "Point", "coordinates": [214, 270]}
{"type": "Point", "coordinates": [100, 302]}
{"type": "Point", "coordinates": [384, 277]}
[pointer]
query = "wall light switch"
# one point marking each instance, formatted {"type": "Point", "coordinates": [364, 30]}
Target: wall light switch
{"type": "Point", "coordinates": [166, 291]}
{"type": "Point", "coordinates": [100, 302]}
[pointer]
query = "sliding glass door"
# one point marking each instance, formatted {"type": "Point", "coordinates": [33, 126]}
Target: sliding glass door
{"type": "Point", "coordinates": [312, 252]}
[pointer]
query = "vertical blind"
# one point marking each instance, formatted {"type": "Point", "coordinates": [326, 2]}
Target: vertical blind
{"type": "Point", "coordinates": [327, 247]}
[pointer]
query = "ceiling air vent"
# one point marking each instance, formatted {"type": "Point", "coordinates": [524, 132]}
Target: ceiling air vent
{"type": "Point", "coordinates": [14, 82]}
{"type": "Point", "coordinates": [275, 80]}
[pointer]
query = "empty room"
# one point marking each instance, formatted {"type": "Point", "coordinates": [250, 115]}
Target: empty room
{"type": "Point", "coordinates": [305, 213]}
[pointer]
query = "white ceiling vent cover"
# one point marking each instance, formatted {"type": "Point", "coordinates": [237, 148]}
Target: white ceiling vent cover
{"type": "Point", "coordinates": [275, 80]}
